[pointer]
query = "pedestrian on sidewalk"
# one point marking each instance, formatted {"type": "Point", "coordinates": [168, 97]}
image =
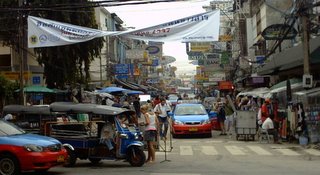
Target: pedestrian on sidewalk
{"type": "Point", "coordinates": [222, 118]}
{"type": "Point", "coordinates": [229, 117]}
{"type": "Point", "coordinates": [150, 133]}
{"type": "Point", "coordinates": [161, 111]}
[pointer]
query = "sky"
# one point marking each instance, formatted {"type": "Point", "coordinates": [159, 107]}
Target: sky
{"type": "Point", "coordinates": [146, 15]}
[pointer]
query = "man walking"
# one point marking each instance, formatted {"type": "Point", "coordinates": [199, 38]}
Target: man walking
{"type": "Point", "coordinates": [162, 110]}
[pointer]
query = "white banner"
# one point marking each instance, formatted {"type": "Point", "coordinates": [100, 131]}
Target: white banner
{"type": "Point", "coordinates": [46, 33]}
{"type": "Point", "coordinates": [203, 27]}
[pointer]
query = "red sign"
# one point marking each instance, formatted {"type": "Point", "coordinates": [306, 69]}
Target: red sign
{"type": "Point", "coordinates": [225, 85]}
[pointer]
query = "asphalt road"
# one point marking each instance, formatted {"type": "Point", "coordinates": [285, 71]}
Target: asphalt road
{"type": "Point", "coordinates": [219, 155]}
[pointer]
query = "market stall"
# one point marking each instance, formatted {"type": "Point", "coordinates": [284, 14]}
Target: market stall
{"type": "Point", "coordinates": [309, 101]}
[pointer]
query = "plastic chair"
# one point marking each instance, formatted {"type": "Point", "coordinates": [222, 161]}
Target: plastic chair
{"type": "Point", "coordinates": [264, 135]}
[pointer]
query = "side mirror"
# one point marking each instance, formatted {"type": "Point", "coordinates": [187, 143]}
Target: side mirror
{"type": "Point", "coordinates": [170, 114]}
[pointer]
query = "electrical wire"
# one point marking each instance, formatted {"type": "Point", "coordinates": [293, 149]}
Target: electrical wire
{"type": "Point", "coordinates": [89, 4]}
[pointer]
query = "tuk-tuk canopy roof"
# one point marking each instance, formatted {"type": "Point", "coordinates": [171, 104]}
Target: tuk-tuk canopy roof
{"type": "Point", "coordinates": [37, 109]}
{"type": "Point", "coordinates": [87, 108]}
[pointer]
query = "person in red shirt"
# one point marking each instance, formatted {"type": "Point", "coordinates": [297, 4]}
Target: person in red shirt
{"type": "Point", "coordinates": [265, 110]}
{"type": "Point", "coordinates": [156, 101]}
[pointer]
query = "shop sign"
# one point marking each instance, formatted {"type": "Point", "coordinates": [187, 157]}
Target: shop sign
{"type": "Point", "coordinates": [136, 71]}
{"type": "Point", "coordinates": [212, 56]}
{"type": "Point", "coordinates": [260, 59]}
{"type": "Point", "coordinates": [277, 31]}
{"type": "Point", "coordinates": [226, 85]}
{"type": "Point", "coordinates": [15, 75]}
{"type": "Point", "coordinates": [210, 84]}
{"type": "Point", "coordinates": [200, 46]}
{"type": "Point", "coordinates": [155, 63]}
{"type": "Point", "coordinates": [211, 62]}
{"type": "Point", "coordinates": [167, 59]}
{"type": "Point", "coordinates": [135, 54]}
{"type": "Point", "coordinates": [201, 78]}
{"type": "Point", "coordinates": [122, 69]}
{"type": "Point", "coordinates": [36, 80]}
{"type": "Point", "coordinates": [195, 55]}
{"type": "Point", "coordinates": [225, 58]}
{"type": "Point", "coordinates": [152, 81]}
{"type": "Point", "coordinates": [153, 49]}
{"type": "Point", "coordinates": [257, 80]}
{"type": "Point", "coordinates": [122, 76]}
{"type": "Point", "coordinates": [225, 38]}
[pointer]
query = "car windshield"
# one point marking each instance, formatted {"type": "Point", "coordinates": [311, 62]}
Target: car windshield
{"type": "Point", "coordinates": [7, 129]}
{"type": "Point", "coordinates": [173, 97]}
{"type": "Point", "coordinates": [190, 110]}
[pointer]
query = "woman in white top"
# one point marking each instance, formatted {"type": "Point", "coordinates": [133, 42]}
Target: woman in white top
{"type": "Point", "coordinates": [150, 134]}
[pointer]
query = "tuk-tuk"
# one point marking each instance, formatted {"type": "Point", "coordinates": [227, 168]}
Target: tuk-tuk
{"type": "Point", "coordinates": [30, 118]}
{"type": "Point", "coordinates": [79, 128]}
{"type": "Point", "coordinates": [82, 128]}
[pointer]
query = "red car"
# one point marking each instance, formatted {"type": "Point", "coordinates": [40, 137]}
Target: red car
{"type": "Point", "coordinates": [20, 151]}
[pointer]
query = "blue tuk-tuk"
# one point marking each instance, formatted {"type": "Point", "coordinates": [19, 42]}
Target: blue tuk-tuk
{"type": "Point", "coordinates": [82, 129]}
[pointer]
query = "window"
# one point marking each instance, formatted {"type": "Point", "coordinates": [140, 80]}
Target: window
{"type": "Point", "coordinates": [5, 60]}
{"type": "Point", "coordinates": [106, 22]}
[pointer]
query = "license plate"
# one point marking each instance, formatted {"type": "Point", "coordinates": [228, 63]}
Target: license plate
{"type": "Point", "coordinates": [193, 129]}
{"type": "Point", "coordinates": [60, 159]}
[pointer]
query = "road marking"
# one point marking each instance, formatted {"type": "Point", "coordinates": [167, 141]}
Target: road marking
{"type": "Point", "coordinates": [288, 152]}
{"type": "Point", "coordinates": [186, 151]}
{"type": "Point", "coordinates": [209, 150]}
{"type": "Point", "coordinates": [313, 152]}
{"type": "Point", "coordinates": [234, 142]}
{"type": "Point", "coordinates": [215, 141]}
{"type": "Point", "coordinates": [235, 150]}
{"type": "Point", "coordinates": [173, 174]}
{"type": "Point", "coordinates": [259, 150]}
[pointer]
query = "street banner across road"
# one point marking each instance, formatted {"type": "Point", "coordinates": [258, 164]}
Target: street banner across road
{"type": "Point", "coordinates": [202, 27]}
{"type": "Point", "coordinates": [46, 33]}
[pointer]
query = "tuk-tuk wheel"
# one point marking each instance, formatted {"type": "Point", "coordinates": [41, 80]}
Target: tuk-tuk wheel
{"type": "Point", "coordinates": [71, 159]}
{"type": "Point", "coordinates": [94, 160]}
{"type": "Point", "coordinates": [136, 157]}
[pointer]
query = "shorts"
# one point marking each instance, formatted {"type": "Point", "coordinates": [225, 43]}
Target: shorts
{"type": "Point", "coordinates": [150, 135]}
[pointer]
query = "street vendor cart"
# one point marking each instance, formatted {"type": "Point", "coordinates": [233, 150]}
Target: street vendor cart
{"type": "Point", "coordinates": [246, 125]}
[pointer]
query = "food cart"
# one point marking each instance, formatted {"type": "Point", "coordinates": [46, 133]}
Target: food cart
{"type": "Point", "coordinates": [245, 126]}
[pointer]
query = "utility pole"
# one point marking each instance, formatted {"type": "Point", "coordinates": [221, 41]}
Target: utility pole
{"type": "Point", "coordinates": [307, 77]}
{"type": "Point", "coordinates": [21, 48]}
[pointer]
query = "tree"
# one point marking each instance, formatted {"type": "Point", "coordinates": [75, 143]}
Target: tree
{"type": "Point", "coordinates": [62, 64]}
{"type": "Point", "coordinates": [6, 91]}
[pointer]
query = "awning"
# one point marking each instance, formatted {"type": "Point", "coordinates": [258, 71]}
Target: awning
{"type": "Point", "coordinates": [257, 92]}
{"type": "Point", "coordinates": [36, 89]}
{"type": "Point", "coordinates": [295, 83]}
{"type": "Point", "coordinates": [309, 92]}
{"type": "Point", "coordinates": [127, 85]}
{"type": "Point", "coordinates": [291, 58]}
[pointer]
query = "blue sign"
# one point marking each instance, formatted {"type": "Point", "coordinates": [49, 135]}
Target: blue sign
{"type": "Point", "coordinates": [36, 80]}
{"type": "Point", "coordinates": [155, 62]}
{"type": "Point", "coordinates": [122, 76]}
{"type": "Point", "coordinates": [260, 59]}
{"type": "Point", "coordinates": [122, 69]}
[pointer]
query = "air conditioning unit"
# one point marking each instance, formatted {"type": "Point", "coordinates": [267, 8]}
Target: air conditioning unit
{"type": "Point", "coordinates": [307, 81]}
